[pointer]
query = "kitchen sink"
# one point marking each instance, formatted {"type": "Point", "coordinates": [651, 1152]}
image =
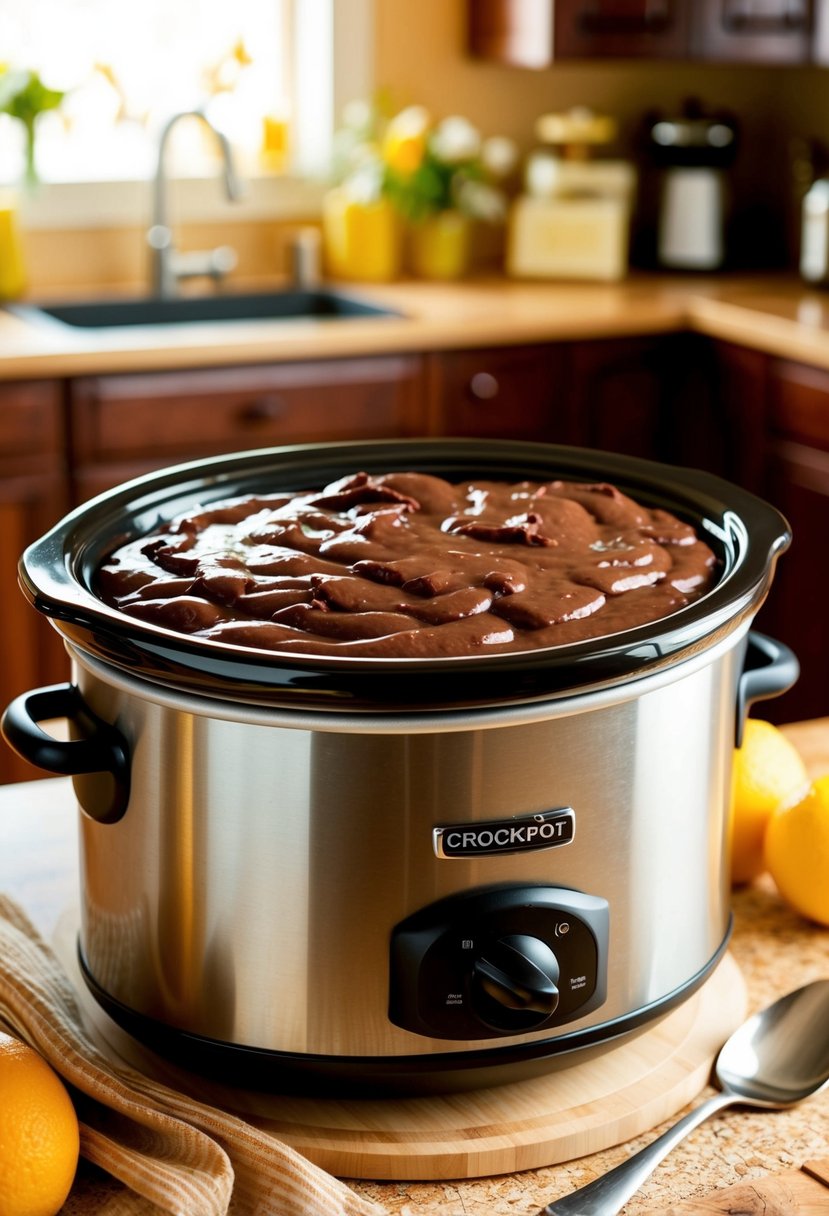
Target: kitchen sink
{"type": "Point", "coordinates": [182, 310]}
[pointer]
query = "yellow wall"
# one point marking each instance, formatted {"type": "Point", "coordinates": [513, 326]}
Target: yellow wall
{"type": "Point", "coordinates": [420, 57]}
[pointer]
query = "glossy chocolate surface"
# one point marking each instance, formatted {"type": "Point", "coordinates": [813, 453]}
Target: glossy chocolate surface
{"type": "Point", "coordinates": [410, 565]}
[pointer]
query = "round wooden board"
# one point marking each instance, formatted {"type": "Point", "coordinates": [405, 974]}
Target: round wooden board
{"type": "Point", "coordinates": [567, 1113]}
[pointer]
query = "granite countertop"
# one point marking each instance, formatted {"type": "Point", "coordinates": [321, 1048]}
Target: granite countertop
{"type": "Point", "coordinates": [776, 314]}
{"type": "Point", "coordinates": [775, 949]}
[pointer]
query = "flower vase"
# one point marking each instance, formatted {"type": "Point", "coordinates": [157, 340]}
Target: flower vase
{"type": "Point", "coordinates": [361, 240]}
{"type": "Point", "coordinates": [12, 265]}
{"type": "Point", "coordinates": [439, 246]}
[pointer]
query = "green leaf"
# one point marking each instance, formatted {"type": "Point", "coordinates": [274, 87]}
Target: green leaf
{"type": "Point", "coordinates": [23, 95]}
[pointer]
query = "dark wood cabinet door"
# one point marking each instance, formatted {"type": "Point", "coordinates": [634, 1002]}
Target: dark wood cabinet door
{"type": "Point", "coordinates": [619, 396]}
{"type": "Point", "coordinates": [796, 611]}
{"type": "Point", "coordinates": [511, 392]}
{"type": "Point", "coordinates": [535, 33]}
{"type": "Point", "coordinates": [620, 29]}
{"type": "Point", "coordinates": [797, 483]}
{"type": "Point", "coordinates": [753, 31]}
{"type": "Point", "coordinates": [740, 386]}
{"type": "Point", "coordinates": [33, 496]}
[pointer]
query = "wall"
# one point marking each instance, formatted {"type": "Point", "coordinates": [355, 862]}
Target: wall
{"type": "Point", "coordinates": [420, 57]}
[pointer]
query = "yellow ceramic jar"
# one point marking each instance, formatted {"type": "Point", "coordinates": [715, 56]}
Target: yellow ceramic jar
{"type": "Point", "coordinates": [12, 267]}
{"type": "Point", "coordinates": [439, 246]}
{"type": "Point", "coordinates": [361, 240]}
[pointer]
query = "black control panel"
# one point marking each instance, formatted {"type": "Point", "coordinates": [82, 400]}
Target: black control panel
{"type": "Point", "coordinates": [499, 961]}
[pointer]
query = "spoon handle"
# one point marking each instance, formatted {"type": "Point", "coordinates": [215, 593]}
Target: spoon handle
{"type": "Point", "coordinates": [608, 1194]}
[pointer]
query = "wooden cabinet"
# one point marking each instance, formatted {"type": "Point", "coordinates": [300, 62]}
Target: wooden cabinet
{"type": "Point", "coordinates": [514, 392]}
{"type": "Point", "coordinates": [797, 482]}
{"type": "Point", "coordinates": [125, 425]}
{"type": "Point", "coordinates": [32, 497]}
{"type": "Point", "coordinates": [754, 31]}
{"type": "Point", "coordinates": [615, 394]}
{"type": "Point", "coordinates": [627, 395]}
{"type": "Point", "coordinates": [777, 412]}
{"type": "Point", "coordinates": [537, 33]}
{"type": "Point", "coordinates": [613, 29]}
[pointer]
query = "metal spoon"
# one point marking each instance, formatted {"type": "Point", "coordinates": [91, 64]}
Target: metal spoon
{"type": "Point", "coordinates": [775, 1059]}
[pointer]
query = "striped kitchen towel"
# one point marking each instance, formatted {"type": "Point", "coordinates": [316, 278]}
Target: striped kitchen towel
{"type": "Point", "coordinates": [174, 1154]}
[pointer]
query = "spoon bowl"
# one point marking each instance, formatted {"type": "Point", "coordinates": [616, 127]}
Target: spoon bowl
{"type": "Point", "coordinates": [777, 1058]}
{"type": "Point", "coordinates": [780, 1056]}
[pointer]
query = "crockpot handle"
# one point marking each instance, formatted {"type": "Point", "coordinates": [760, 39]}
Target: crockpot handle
{"type": "Point", "coordinates": [100, 748]}
{"type": "Point", "coordinates": [769, 669]}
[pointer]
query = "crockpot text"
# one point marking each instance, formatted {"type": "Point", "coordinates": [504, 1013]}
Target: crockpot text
{"type": "Point", "coordinates": [542, 830]}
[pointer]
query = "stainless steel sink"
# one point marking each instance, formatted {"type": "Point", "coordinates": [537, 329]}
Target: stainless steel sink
{"type": "Point", "coordinates": [183, 310]}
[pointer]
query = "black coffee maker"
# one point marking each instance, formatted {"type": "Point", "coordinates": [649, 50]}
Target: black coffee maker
{"type": "Point", "coordinates": [690, 155]}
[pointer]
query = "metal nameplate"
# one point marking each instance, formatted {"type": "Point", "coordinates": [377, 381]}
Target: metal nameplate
{"type": "Point", "coordinates": [520, 834]}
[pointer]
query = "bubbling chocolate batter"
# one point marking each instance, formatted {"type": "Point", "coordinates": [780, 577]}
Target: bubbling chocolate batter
{"type": "Point", "coordinates": [407, 565]}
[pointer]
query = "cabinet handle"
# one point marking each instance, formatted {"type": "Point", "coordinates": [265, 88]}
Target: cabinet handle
{"type": "Point", "coordinates": [266, 408]}
{"type": "Point", "coordinates": [483, 386]}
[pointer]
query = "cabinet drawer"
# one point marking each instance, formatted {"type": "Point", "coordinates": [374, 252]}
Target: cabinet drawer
{"type": "Point", "coordinates": [799, 403]}
{"type": "Point", "coordinates": [30, 418]}
{"type": "Point", "coordinates": [509, 393]}
{"type": "Point", "coordinates": [152, 415]}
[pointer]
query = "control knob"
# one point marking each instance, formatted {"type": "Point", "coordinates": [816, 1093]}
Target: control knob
{"type": "Point", "coordinates": [515, 983]}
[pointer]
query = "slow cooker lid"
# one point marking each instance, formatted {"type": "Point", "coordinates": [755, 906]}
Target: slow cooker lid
{"type": "Point", "coordinates": [57, 575]}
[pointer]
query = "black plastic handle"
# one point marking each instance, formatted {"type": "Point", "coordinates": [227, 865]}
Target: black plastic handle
{"type": "Point", "coordinates": [99, 748]}
{"type": "Point", "coordinates": [769, 669]}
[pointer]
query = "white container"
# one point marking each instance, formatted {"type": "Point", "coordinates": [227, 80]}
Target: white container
{"type": "Point", "coordinates": [691, 219]}
{"type": "Point", "coordinates": [574, 220]}
{"type": "Point", "coordinates": [814, 244]}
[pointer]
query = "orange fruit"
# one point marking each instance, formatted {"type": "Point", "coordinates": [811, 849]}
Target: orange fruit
{"type": "Point", "coordinates": [38, 1134]}
{"type": "Point", "coordinates": [797, 852]}
{"type": "Point", "coordinates": [766, 771]}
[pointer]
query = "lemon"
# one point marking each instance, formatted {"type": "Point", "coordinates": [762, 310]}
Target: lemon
{"type": "Point", "coordinates": [38, 1134]}
{"type": "Point", "coordinates": [797, 852]}
{"type": "Point", "coordinates": [767, 770]}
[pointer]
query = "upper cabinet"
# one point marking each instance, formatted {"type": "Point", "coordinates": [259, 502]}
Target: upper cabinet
{"type": "Point", "coordinates": [537, 33]}
{"type": "Point", "coordinates": [754, 31]}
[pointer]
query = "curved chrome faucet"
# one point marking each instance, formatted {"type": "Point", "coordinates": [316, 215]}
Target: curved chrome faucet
{"type": "Point", "coordinates": [168, 266]}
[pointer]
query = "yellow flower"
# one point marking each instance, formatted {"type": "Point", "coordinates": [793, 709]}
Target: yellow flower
{"type": "Point", "coordinates": [404, 144]}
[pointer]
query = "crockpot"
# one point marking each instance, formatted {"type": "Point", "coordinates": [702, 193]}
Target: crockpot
{"type": "Point", "coordinates": [400, 873]}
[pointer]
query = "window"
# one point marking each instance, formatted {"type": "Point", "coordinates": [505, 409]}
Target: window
{"type": "Point", "coordinates": [269, 73]}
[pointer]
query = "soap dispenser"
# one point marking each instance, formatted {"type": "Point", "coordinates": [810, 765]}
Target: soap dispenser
{"type": "Point", "coordinates": [573, 219]}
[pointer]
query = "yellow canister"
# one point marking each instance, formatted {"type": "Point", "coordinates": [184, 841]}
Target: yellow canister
{"type": "Point", "coordinates": [361, 240]}
{"type": "Point", "coordinates": [12, 262]}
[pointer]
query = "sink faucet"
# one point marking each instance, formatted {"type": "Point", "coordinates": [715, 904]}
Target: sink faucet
{"type": "Point", "coordinates": [169, 265]}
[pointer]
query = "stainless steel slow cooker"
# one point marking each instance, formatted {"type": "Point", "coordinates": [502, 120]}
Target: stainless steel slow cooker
{"type": "Point", "coordinates": [404, 873]}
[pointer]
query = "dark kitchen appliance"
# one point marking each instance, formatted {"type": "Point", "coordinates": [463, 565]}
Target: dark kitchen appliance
{"type": "Point", "coordinates": [406, 873]}
{"type": "Point", "coordinates": [692, 153]}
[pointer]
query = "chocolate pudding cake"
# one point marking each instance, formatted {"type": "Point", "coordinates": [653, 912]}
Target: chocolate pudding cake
{"type": "Point", "coordinates": [408, 565]}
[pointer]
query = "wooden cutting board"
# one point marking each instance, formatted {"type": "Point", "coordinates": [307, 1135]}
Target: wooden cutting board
{"type": "Point", "coordinates": [803, 1192]}
{"type": "Point", "coordinates": [564, 1114]}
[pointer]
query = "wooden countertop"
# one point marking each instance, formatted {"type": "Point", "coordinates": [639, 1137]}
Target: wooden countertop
{"type": "Point", "coordinates": [776, 314]}
{"type": "Point", "coordinates": [775, 948]}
